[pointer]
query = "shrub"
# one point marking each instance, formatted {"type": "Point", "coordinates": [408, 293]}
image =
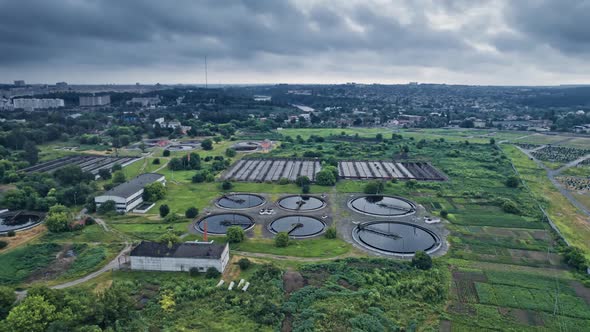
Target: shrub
{"type": "Point", "coordinates": [173, 218]}
{"type": "Point", "coordinates": [282, 240]}
{"type": "Point", "coordinates": [331, 232]}
{"type": "Point", "coordinates": [305, 189]}
{"type": "Point", "coordinates": [444, 213]}
{"type": "Point", "coordinates": [411, 184]}
{"type": "Point", "coordinates": [166, 153]}
{"type": "Point", "coordinates": [302, 180]}
{"type": "Point", "coordinates": [164, 210]}
{"type": "Point", "coordinates": [200, 177]}
{"type": "Point", "coordinates": [512, 182]}
{"type": "Point", "coordinates": [154, 192]}
{"type": "Point", "coordinates": [3, 244]}
{"type": "Point", "coordinates": [193, 272]}
{"type": "Point", "coordinates": [244, 263]}
{"type": "Point", "coordinates": [422, 260]}
{"type": "Point", "coordinates": [235, 234]}
{"type": "Point", "coordinates": [226, 185]}
{"type": "Point", "coordinates": [212, 273]}
{"type": "Point", "coordinates": [107, 207]}
{"type": "Point", "coordinates": [374, 187]}
{"type": "Point", "coordinates": [284, 181]}
{"type": "Point", "coordinates": [116, 167]}
{"type": "Point", "coordinates": [574, 257]}
{"type": "Point", "coordinates": [191, 212]}
{"type": "Point", "coordinates": [509, 206]}
{"type": "Point", "coordinates": [325, 178]}
{"type": "Point", "coordinates": [11, 233]}
{"type": "Point", "coordinates": [230, 153]}
{"type": "Point", "coordinates": [207, 144]}
{"type": "Point", "coordinates": [156, 161]}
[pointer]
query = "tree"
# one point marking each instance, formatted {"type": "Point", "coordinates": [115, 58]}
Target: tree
{"type": "Point", "coordinates": [325, 178]}
{"type": "Point", "coordinates": [33, 314]}
{"type": "Point", "coordinates": [512, 182]}
{"type": "Point", "coordinates": [226, 185]}
{"type": "Point", "coordinates": [305, 189]}
{"type": "Point", "coordinates": [230, 153]}
{"type": "Point", "coordinates": [57, 222]}
{"type": "Point", "coordinates": [119, 177]}
{"type": "Point", "coordinates": [166, 153]}
{"type": "Point", "coordinates": [31, 152]}
{"type": "Point", "coordinates": [156, 161]}
{"type": "Point", "coordinates": [379, 137]}
{"type": "Point", "coordinates": [212, 273]}
{"type": "Point", "coordinates": [7, 299]}
{"type": "Point", "coordinates": [492, 141]}
{"type": "Point", "coordinates": [235, 234]}
{"type": "Point", "coordinates": [114, 304]}
{"type": "Point", "coordinates": [444, 213]}
{"type": "Point", "coordinates": [244, 263]}
{"type": "Point", "coordinates": [154, 192]}
{"type": "Point", "coordinates": [104, 173]}
{"type": "Point", "coordinates": [164, 210]}
{"type": "Point", "coordinates": [410, 184]}
{"type": "Point", "coordinates": [282, 240]}
{"type": "Point", "coordinates": [107, 207]}
{"type": "Point", "coordinates": [574, 257]}
{"type": "Point", "coordinates": [191, 212]}
{"type": "Point", "coordinates": [374, 187]}
{"type": "Point", "coordinates": [116, 167]}
{"type": "Point", "coordinates": [207, 144]}
{"type": "Point", "coordinates": [302, 180]}
{"type": "Point", "coordinates": [169, 239]}
{"type": "Point", "coordinates": [331, 232]}
{"type": "Point", "coordinates": [422, 260]}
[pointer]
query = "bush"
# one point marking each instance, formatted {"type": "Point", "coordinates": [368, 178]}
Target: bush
{"type": "Point", "coordinates": [302, 180]}
{"type": "Point", "coordinates": [11, 233]}
{"type": "Point", "coordinates": [374, 187]}
{"type": "Point", "coordinates": [305, 189]}
{"type": "Point", "coordinates": [156, 161]}
{"type": "Point", "coordinates": [411, 184]}
{"type": "Point", "coordinates": [193, 272]}
{"type": "Point", "coordinates": [574, 257]}
{"type": "Point", "coordinates": [244, 263]}
{"type": "Point", "coordinates": [207, 144]}
{"type": "Point", "coordinates": [173, 218]}
{"type": "Point", "coordinates": [331, 232]}
{"type": "Point", "coordinates": [164, 210]}
{"type": "Point", "coordinates": [235, 234]}
{"type": "Point", "coordinates": [166, 153]}
{"type": "Point", "coordinates": [107, 207]}
{"type": "Point", "coordinates": [509, 206]}
{"type": "Point", "coordinates": [226, 185]}
{"type": "Point", "coordinates": [3, 244]}
{"type": "Point", "coordinates": [212, 273]}
{"type": "Point", "coordinates": [191, 212]}
{"type": "Point", "coordinates": [422, 260]}
{"type": "Point", "coordinates": [512, 182]}
{"type": "Point", "coordinates": [444, 213]}
{"type": "Point", "coordinates": [154, 192]}
{"type": "Point", "coordinates": [282, 240]}
{"type": "Point", "coordinates": [325, 178]}
{"type": "Point", "coordinates": [200, 176]}
{"type": "Point", "coordinates": [230, 153]}
{"type": "Point", "coordinates": [284, 181]}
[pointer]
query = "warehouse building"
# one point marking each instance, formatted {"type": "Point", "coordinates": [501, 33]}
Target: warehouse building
{"type": "Point", "coordinates": [128, 195]}
{"type": "Point", "coordinates": [154, 256]}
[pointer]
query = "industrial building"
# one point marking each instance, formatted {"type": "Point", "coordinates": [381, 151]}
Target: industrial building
{"type": "Point", "coordinates": [144, 101]}
{"type": "Point", "coordinates": [128, 195]}
{"type": "Point", "coordinates": [153, 256]}
{"type": "Point", "coordinates": [95, 100]}
{"type": "Point", "coordinates": [36, 103]}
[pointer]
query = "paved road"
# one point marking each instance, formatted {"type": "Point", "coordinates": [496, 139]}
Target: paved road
{"type": "Point", "coordinates": [572, 164]}
{"type": "Point", "coordinates": [551, 175]}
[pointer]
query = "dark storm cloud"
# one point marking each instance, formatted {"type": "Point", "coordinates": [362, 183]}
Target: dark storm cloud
{"type": "Point", "coordinates": [273, 35]}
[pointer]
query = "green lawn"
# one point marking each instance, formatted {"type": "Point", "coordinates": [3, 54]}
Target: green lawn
{"type": "Point", "coordinates": [317, 247]}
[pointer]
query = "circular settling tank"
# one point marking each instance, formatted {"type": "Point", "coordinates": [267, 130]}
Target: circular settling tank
{"type": "Point", "coordinates": [218, 223]}
{"type": "Point", "coordinates": [182, 147]}
{"type": "Point", "coordinates": [297, 226]}
{"type": "Point", "coordinates": [246, 146]}
{"type": "Point", "coordinates": [301, 203]}
{"type": "Point", "coordinates": [14, 221]}
{"type": "Point", "coordinates": [395, 237]}
{"type": "Point", "coordinates": [384, 206]}
{"type": "Point", "coordinates": [240, 201]}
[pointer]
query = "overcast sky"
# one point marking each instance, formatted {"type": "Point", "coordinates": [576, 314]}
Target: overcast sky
{"type": "Point", "coordinates": [305, 41]}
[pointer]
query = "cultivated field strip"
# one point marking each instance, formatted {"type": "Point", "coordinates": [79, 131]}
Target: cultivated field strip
{"type": "Point", "coordinates": [90, 164]}
{"type": "Point", "coordinates": [265, 170]}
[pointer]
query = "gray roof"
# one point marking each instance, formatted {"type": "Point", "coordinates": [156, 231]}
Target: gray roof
{"type": "Point", "coordinates": [134, 185]}
{"type": "Point", "coordinates": [180, 250]}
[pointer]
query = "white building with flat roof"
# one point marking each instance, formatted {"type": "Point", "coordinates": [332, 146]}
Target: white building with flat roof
{"type": "Point", "coordinates": [36, 103]}
{"type": "Point", "coordinates": [128, 195]}
{"type": "Point", "coordinates": [154, 256]}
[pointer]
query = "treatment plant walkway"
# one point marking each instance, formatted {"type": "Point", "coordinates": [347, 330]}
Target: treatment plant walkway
{"type": "Point", "coordinates": [551, 175]}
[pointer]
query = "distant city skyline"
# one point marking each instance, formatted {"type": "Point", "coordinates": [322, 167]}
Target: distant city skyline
{"type": "Point", "coordinates": [256, 42]}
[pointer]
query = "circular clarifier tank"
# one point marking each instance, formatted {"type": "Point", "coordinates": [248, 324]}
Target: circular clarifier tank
{"type": "Point", "coordinates": [301, 203]}
{"type": "Point", "coordinates": [15, 221]}
{"type": "Point", "coordinates": [392, 237]}
{"type": "Point", "coordinates": [297, 226]}
{"type": "Point", "coordinates": [218, 223]}
{"type": "Point", "coordinates": [382, 206]}
{"type": "Point", "coordinates": [240, 201]}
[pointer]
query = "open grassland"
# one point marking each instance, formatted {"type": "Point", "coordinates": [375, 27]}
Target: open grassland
{"type": "Point", "coordinates": [572, 223]}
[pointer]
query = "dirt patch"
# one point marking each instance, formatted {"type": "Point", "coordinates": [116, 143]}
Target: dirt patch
{"type": "Point", "coordinates": [464, 285]}
{"type": "Point", "coordinates": [23, 237]}
{"type": "Point", "coordinates": [61, 264]}
{"type": "Point", "coordinates": [445, 326]}
{"type": "Point", "coordinates": [346, 284]}
{"type": "Point", "coordinates": [581, 291]}
{"type": "Point", "coordinates": [541, 235]}
{"type": "Point", "coordinates": [292, 281]}
{"type": "Point", "coordinates": [535, 257]}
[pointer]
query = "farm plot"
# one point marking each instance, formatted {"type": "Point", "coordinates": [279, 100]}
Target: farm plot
{"type": "Point", "coordinates": [559, 154]}
{"type": "Point", "coordinates": [575, 183]}
{"type": "Point", "coordinates": [90, 164]}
